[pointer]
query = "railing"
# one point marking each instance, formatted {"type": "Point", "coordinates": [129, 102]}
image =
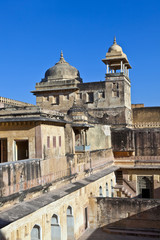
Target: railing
{"type": "Point", "coordinates": [138, 158]}
{"type": "Point", "coordinates": [147, 125]}
{"type": "Point", "coordinates": [28, 184]}
{"type": "Point", "coordinates": [82, 148]}
{"type": "Point", "coordinates": [21, 175]}
{"type": "Point", "coordinates": [14, 102]}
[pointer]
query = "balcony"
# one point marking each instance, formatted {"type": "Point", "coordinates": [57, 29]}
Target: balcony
{"type": "Point", "coordinates": [82, 148]}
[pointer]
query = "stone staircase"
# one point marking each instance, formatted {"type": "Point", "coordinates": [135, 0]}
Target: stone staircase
{"type": "Point", "coordinates": [124, 187]}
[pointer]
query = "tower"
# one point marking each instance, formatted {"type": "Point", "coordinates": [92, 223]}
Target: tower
{"type": "Point", "coordinates": [117, 82]}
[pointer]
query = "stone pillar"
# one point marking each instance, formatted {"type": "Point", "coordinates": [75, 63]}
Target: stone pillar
{"type": "Point", "coordinates": [121, 66]}
{"type": "Point", "coordinates": [92, 216]}
{"type": "Point", "coordinates": [86, 137]}
{"type": "Point", "coordinates": [107, 68]}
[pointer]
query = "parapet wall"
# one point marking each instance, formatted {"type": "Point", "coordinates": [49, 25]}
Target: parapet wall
{"type": "Point", "coordinates": [26, 176]}
{"type": "Point", "coordinates": [8, 101]}
{"type": "Point", "coordinates": [125, 213]}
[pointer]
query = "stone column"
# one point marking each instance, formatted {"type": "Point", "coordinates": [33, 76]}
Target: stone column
{"type": "Point", "coordinates": [107, 68]}
{"type": "Point", "coordinates": [121, 66]}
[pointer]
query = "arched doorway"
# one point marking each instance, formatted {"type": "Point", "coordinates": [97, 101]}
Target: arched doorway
{"type": "Point", "coordinates": [70, 224]}
{"type": "Point", "coordinates": [55, 228]}
{"type": "Point", "coordinates": [145, 186]}
{"type": "Point", "coordinates": [36, 232]}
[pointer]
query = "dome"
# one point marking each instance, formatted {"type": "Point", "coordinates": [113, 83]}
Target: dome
{"type": "Point", "coordinates": [62, 70]}
{"type": "Point", "coordinates": [115, 47]}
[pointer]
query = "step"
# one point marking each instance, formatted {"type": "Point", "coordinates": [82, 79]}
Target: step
{"type": "Point", "coordinates": [153, 233]}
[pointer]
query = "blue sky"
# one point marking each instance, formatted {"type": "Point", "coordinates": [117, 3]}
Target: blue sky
{"type": "Point", "coordinates": [33, 32]}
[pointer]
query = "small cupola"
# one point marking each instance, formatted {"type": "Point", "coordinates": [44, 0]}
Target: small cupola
{"type": "Point", "coordinates": [116, 60]}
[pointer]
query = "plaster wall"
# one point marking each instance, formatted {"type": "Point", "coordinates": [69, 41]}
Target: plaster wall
{"type": "Point", "coordinates": [48, 132]}
{"type": "Point", "coordinates": [99, 137]}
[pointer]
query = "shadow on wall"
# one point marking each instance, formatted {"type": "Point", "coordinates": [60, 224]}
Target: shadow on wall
{"type": "Point", "coordinates": [2, 237]}
{"type": "Point", "coordinates": [3, 223]}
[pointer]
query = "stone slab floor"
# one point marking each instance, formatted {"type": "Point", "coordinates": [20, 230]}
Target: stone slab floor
{"type": "Point", "coordinates": [98, 234]}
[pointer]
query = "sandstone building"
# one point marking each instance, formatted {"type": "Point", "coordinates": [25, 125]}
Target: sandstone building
{"type": "Point", "coordinates": [82, 158]}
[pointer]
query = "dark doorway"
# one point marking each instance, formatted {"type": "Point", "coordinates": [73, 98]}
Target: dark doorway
{"type": "Point", "coordinates": [145, 186]}
{"type": "Point", "coordinates": [22, 151]}
{"type": "Point", "coordinates": [3, 150]}
{"type": "Point", "coordinates": [145, 193]}
{"type": "Point", "coordinates": [86, 218]}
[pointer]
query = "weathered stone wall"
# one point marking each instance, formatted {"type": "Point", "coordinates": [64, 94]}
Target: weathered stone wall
{"type": "Point", "coordinates": [19, 176]}
{"type": "Point", "coordinates": [123, 140]}
{"type": "Point", "coordinates": [19, 179]}
{"type": "Point", "coordinates": [99, 137]}
{"type": "Point", "coordinates": [144, 141]}
{"type": "Point", "coordinates": [147, 116]}
{"type": "Point", "coordinates": [147, 142]}
{"type": "Point", "coordinates": [117, 91]}
{"type": "Point", "coordinates": [125, 213]}
{"type": "Point", "coordinates": [110, 116]}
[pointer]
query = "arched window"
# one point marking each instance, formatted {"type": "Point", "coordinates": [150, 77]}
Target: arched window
{"type": "Point", "coordinates": [54, 219]}
{"type": "Point", "coordinates": [112, 189]}
{"type": "Point", "coordinates": [70, 223]}
{"type": "Point", "coordinates": [100, 192]}
{"type": "Point", "coordinates": [107, 192]}
{"type": "Point", "coordinates": [55, 228]}
{"type": "Point", "coordinates": [69, 210]}
{"type": "Point", "coordinates": [36, 232]}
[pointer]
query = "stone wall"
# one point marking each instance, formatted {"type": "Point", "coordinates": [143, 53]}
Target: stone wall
{"type": "Point", "coordinates": [20, 178]}
{"type": "Point", "coordinates": [147, 142]}
{"type": "Point", "coordinates": [144, 141]}
{"type": "Point", "coordinates": [147, 116]}
{"type": "Point", "coordinates": [125, 213]}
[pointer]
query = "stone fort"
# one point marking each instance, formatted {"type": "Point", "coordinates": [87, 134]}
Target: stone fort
{"type": "Point", "coordinates": [83, 163]}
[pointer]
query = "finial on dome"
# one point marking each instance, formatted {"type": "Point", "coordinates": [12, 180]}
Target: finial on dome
{"type": "Point", "coordinates": [61, 54]}
{"type": "Point", "coordinates": [61, 60]}
{"type": "Point", "coordinates": [115, 40]}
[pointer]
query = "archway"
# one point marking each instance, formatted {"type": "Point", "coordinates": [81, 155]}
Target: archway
{"type": "Point", "coordinates": [36, 232]}
{"type": "Point", "coordinates": [145, 186]}
{"type": "Point", "coordinates": [55, 228]}
{"type": "Point", "coordinates": [70, 224]}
